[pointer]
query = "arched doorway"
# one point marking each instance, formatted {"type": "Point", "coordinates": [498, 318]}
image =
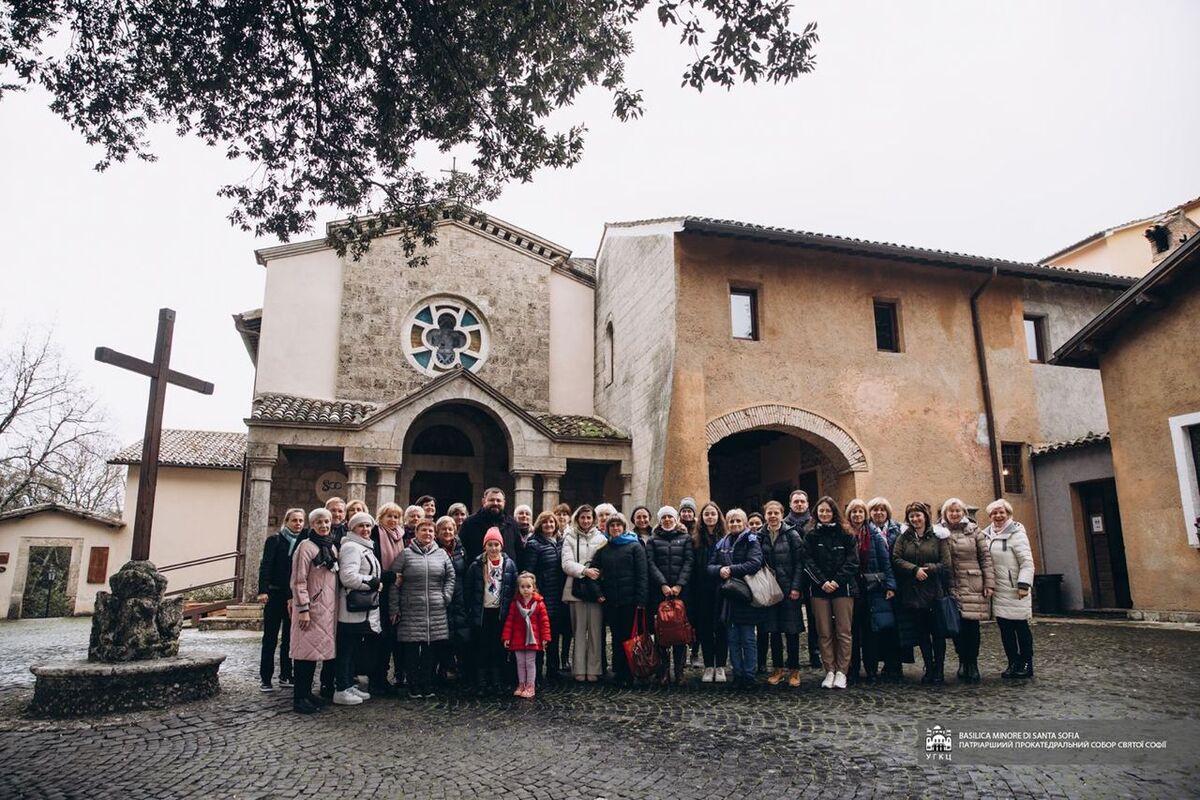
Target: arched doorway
{"type": "Point", "coordinates": [764, 452]}
{"type": "Point", "coordinates": [749, 468]}
{"type": "Point", "coordinates": [453, 452]}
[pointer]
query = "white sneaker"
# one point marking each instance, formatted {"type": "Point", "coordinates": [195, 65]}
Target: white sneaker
{"type": "Point", "coordinates": [720, 675]}
{"type": "Point", "coordinates": [346, 698]}
{"type": "Point", "coordinates": [839, 681]}
{"type": "Point", "coordinates": [708, 675]}
{"type": "Point", "coordinates": [357, 691]}
{"type": "Point", "coordinates": [825, 684]}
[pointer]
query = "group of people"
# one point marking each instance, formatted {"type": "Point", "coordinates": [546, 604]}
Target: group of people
{"type": "Point", "coordinates": [410, 599]}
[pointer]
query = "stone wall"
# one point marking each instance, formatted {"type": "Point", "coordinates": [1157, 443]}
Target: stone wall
{"type": "Point", "coordinates": [294, 481]}
{"type": "Point", "coordinates": [636, 291]}
{"type": "Point", "coordinates": [510, 289]}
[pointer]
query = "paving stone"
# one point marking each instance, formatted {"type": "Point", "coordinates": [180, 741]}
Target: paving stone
{"type": "Point", "coordinates": [594, 742]}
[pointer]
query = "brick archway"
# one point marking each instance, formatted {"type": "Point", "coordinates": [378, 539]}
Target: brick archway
{"type": "Point", "coordinates": [828, 437]}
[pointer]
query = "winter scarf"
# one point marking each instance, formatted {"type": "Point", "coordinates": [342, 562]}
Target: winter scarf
{"type": "Point", "coordinates": [797, 521]}
{"type": "Point", "coordinates": [628, 537]}
{"type": "Point", "coordinates": [391, 542]}
{"type": "Point", "coordinates": [526, 617]}
{"type": "Point", "coordinates": [326, 555]}
{"type": "Point", "coordinates": [293, 539]}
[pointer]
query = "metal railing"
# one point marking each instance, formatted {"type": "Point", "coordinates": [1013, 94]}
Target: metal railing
{"type": "Point", "coordinates": [197, 611]}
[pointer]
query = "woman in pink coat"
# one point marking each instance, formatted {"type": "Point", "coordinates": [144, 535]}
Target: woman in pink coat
{"type": "Point", "coordinates": [314, 612]}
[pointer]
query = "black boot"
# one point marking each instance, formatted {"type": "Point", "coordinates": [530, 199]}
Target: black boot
{"type": "Point", "coordinates": [1024, 670]}
{"type": "Point", "coordinates": [973, 672]}
{"type": "Point", "coordinates": [962, 671]}
{"type": "Point", "coordinates": [1011, 672]}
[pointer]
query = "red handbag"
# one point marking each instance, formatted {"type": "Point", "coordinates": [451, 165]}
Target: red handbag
{"type": "Point", "coordinates": [640, 652]}
{"type": "Point", "coordinates": [671, 626]}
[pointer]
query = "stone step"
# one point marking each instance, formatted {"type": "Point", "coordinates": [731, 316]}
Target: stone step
{"type": "Point", "coordinates": [244, 611]}
{"type": "Point", "coordinates": [228, 624]}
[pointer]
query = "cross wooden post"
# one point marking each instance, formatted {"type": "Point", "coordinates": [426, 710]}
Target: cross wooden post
{"type": "Point", "coordinates": [160, 373]}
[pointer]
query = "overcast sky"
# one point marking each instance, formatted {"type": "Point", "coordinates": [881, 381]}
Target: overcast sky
{"type": "Point", "coordinates": [1006, 129]}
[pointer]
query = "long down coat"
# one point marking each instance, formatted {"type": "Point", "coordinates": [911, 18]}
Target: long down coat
{"type": "Point", "coordinates": [972, 571]}
{"type": "Point", "coordinates": [315, 590]}
{"type": "Point", "coordinates": [425, 595]}
{"type": "Point", "coordinates": [785, 554]}
{"type": "Point", "coordinates": [1012, 561]}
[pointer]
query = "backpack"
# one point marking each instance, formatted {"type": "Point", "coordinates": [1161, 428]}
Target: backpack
{"type": "Point", "coordinates": [671, 626]}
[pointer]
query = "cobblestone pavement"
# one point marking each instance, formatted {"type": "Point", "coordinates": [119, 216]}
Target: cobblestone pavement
{"type": "Point", "coordinates": [597, 742]}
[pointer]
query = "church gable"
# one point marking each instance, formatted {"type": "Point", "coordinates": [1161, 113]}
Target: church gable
{"type": "Point", "coordinates": [480, 303]}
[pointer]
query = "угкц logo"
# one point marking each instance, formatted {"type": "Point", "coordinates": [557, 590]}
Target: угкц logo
{"type": "Point", "coordinates": [939, 742]}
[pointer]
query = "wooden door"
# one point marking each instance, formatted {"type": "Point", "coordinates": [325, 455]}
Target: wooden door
{"type": "Point", "coordinates": [1106, 545]}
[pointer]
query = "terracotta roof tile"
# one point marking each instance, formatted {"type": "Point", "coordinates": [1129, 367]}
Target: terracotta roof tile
{"type": "Point", "coordinates": [1071, 444]}
{"type": "Point", "coordinates": [572, 426]}
{"type": "Point", "coordinates": [187, 448]}
{"type": "Point", "coordinates": [304, 410]}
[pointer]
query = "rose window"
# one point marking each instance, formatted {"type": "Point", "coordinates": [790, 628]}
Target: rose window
{"type": "Point", "coordinates": [444, 333]}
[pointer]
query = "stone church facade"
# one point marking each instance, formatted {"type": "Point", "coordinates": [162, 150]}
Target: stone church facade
{"type": "Point", "coordinates": [691, 357]}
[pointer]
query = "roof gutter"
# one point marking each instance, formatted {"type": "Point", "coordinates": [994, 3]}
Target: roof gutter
{"type": "Point", "coordinates": [988, 409]}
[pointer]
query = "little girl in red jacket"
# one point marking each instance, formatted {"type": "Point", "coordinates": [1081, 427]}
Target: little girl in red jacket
{"type": "Point", "coordinates": [526, 631]}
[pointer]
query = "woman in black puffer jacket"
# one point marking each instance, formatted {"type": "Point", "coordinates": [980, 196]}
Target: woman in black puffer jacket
{"type": "Point", "coordinates": [670, 556]}
{"type": "Point", "coordinates": [623, 582]}
{"type": "Point", "coordinates": [543, 558]}
{"type": "Point", "coordinates": [783, 551]}
{"type": "Point", "coordinates": [833, 576]}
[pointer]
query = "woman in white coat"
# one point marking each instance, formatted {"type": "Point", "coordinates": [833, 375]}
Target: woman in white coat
{"type": "Point", "coordinates": [1012, 562]}
{"type": "Point", "coordinates": [579, 547]}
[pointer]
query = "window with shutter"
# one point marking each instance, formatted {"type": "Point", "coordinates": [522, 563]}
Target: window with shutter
{"type": "Point", "coordinates": [98, 565]}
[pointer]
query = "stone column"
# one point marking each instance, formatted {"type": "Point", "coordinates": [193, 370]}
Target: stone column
{"type": "Point", "coordinates": [387, 483]}
{"type": "Point", "coordinates": [356, 482]}
{"type": "Point", "coordinates": [550, 490]}
{"type": "Point", "coordinates": [626, 494]}
{"type": "Point", "coordinates": [522, 489]}
{"type": "Point", "coordinates": [258, 528]}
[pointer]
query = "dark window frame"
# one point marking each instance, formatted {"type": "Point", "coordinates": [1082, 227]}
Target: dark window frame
{"type": "Point", "coordinates": [1040, 345]}
{"type": "Point", "coordinates": [755, 329]}
{"type": "Point", "coordinates": [893, 306]}
{"type": "Point", "coordinates": [1012, 464]}
{"type": "Point", "coordinates": [610, 353]}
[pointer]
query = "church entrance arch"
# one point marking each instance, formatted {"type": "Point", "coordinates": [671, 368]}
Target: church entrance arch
{"type": "Point", "coordinates": [453, 452]}
{"type": "Point", "coordinates": [764, 452]}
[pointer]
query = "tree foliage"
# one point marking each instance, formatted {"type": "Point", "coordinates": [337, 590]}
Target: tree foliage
{"type": "Point", "coordinates": [331, 101]}
{"type": "Point", "coordinates": [53, 446]}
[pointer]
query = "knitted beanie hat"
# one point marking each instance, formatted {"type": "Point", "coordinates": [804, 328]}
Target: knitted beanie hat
{"type": "Point", "coordinates": [360, 518]}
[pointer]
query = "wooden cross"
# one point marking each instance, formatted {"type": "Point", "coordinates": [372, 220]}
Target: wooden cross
{"type": "Point", "coordinates": [160, 374]}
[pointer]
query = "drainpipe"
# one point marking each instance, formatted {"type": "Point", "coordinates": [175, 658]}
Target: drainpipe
{"type": "Point", "coordinates": [988, 411]}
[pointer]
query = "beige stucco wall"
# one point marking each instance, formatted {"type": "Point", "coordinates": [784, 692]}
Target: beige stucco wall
{"type": "Point", "coordinates": [572, 343]}
{"type": "Point", "coordinates": [917, 415]}
{"type": "Point", "coordinates": [298, 346]}
{"type": "Point", "coordinates": [1123, 252]}
{"type": "Point", "coordinates": [52, 528]}
{"type": "Point", "coordinates": [195, 516]}
{"type": "Point", "coordinates": [1151, 373]}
